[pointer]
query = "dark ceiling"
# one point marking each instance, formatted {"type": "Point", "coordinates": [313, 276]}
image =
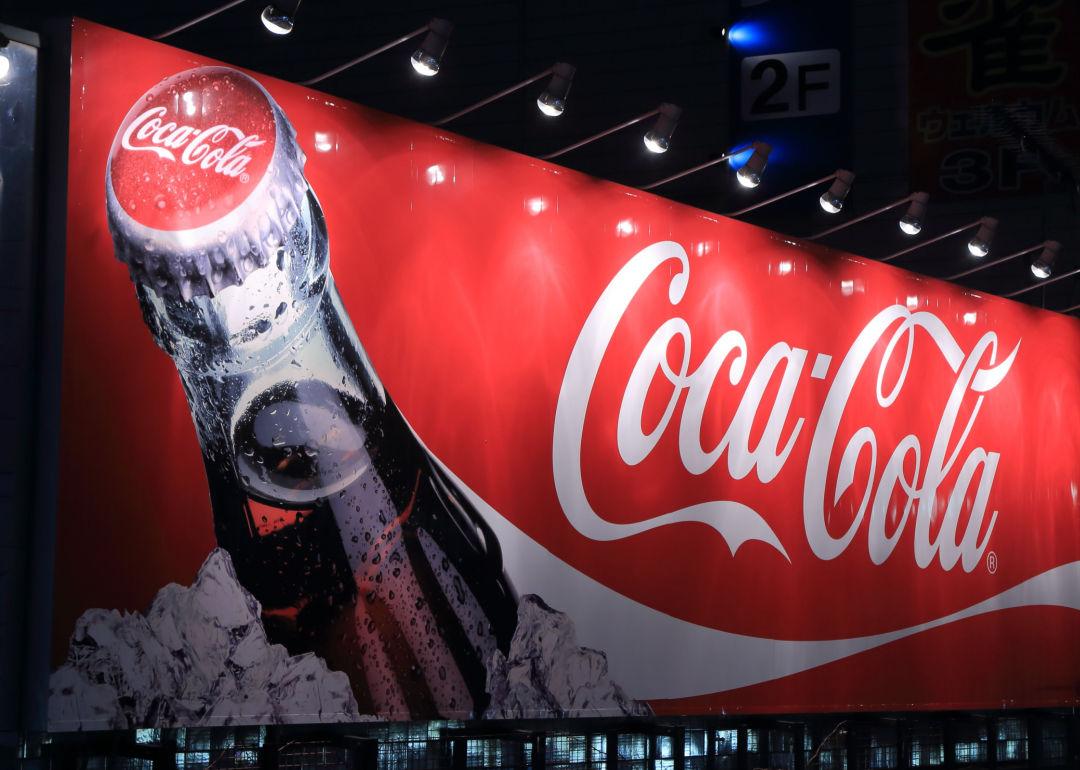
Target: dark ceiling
{"type": "Point", "coordinates": [631, 55]}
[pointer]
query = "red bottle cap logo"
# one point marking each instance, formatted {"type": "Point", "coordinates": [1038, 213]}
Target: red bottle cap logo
{"type": "Point", "coordinates": [192, 149]}
{"type": "Point", "coordinates": [205, 183]}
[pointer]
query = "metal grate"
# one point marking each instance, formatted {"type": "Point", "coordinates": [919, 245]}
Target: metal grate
{"type": "Point", "coordinates": [633, 752]}
{"type": "Point", "coordinates": [970, 747]}
{"type": "Point", "coordinates": [567, 752]}
{"type": "Point", "coordinates": [312, 756]}
{"type": "Point", "coordinates": [1012, 740]}
{"type": "Point", "coordinates": [1055, 742]}
{"type": "Point", "coordinates": [497, 753]}
{"type": "Point", "coordinates": [927, 745]}
{"type": "Point", "coordinates": [781, 749]}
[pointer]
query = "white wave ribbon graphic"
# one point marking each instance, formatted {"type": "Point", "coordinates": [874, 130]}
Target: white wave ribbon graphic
{"type": "Point", "coordinates": [640, 642]}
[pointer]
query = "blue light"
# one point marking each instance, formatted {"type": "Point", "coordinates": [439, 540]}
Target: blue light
{"type": "Point", "coordinates": [778, 151]}
{"type": "Point", "coordinates": [737, 161]}
{"type": "Point", "coordinates": [748, 34]}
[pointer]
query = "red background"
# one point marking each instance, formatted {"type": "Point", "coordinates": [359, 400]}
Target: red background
{"type": "Point", "coordinates": [469, 295]}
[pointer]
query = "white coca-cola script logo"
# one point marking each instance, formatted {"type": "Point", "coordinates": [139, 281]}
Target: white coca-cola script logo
{"type": "Point", "coordinates": [204, 147]}
{"type": "Point", "coordinates": [906, 469]}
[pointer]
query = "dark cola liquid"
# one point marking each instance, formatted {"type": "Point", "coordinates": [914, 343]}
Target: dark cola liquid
{"type": "Point", "coordinates": [360, 550]}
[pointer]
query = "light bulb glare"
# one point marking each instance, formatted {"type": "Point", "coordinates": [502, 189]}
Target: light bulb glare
{"type": "Point", "coordinates": [550, 106]}
{"type": "Point", "coordinates": [978, 248]}
{"type": "Point", "coordinates": [425, 64]}
{"type": "Point", "coordinates": [656, 143]}
{"type": "Point", "coordinates": [5, 67]}
{"type": "Point", "coordinates": [1039, 270]}
{"type": "Point", "coordinates": [276, 21]}
{"type": "Point", "coordinates": [910, 226]}
{"type": "Point", "coordinates": [831, 203]}
{"type": "Point", "coordinates": [748, 177]}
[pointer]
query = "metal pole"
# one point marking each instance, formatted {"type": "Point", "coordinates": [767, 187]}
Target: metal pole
{"type": "Point", "coordinates": [493, 97]}
{"type": "Point", "coordinates": [199, 19]}
{"type": "Point", "coordinates": [935, 239]}
{"type": "Point", "coordinates": [988, 265]}
{"type": "Point", "coordinates": [365, 57]}
{"type": "Point", "coordinates": [1040, 284]}
{"type": "Point", "coordinates": [696, 168]}
{"type": "Point", "coordinates": [782, 195]}
{"type": "Point", "coordinates": [862, 218]}
{"type": "Point", "coordinates": [601, 135]}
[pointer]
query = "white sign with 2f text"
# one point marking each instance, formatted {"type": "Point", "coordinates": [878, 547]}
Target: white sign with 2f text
{"type": "Point", "coordinates": [791, 85]}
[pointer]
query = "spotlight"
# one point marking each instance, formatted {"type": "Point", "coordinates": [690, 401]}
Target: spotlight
{"type": "Point", "coordinates": [276, 20]}
{"type": "Point", "coordinates": [911, 223]}
{"type": "Point", "coordinates": [5, 60]}
{"type": "Point", "coordinates": [552, 102]}
{"type": "Point", "coordinates": [427, 58]}
{"type": "Point", "coordinates": [979, 245]}
{"type": "Point", "coordinates": [658, 138]}
{"type": "Point", "coordinates": [749, 174]}
{"type": "Point", "coordinates": [832, 200]}
{"type": "Point", "coordinates": [1043, 265]}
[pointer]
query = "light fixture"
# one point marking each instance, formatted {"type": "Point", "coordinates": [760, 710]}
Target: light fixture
{"type": "Point", "coordinates": [988, 222]}
{"type": "Point", "coordinates": [912, 222]}
{"type": "Point", "coordinates": [1042, 284]}
{"type": "Point", "coordinates": [671, 110]}
{"type": "Point", "coordinates": [915, 212]}
{"type": "Point", "coordinates": [276, 20]}
{"type": "Point", "coordinates": [699, 167]}
{"type": "Point", "coordinates": [658, 138]}
{"type": "Point", "coordinates": [832, 200]}
{"type": "Point", "coordinates": [749, 174]}
{"type": "Point", "coordinates": [552, 101]}
{"type": "Point", "coordinates": [424, 60]}
{"type": "Point", "coordinates": [427, 59]}
{"type": "Point", "coordinates": [1043, 265]}
{"type": "Point", "coordinates": [5, 61]}
{"type": "Point", "coordinates": [979, 245]}
{"type": "Point", "coordinates": [783, 195]}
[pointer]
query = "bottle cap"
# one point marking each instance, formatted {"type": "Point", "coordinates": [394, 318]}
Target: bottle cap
{"type": "Point", "coordinates": [204, 182]}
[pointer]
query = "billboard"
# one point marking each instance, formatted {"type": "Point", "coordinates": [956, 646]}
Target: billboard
{"type": "Point", "coordinates": [432, 429]}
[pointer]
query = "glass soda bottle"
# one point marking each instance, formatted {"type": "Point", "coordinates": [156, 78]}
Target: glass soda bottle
{"type": "Point", "coordinates": [358, 546]}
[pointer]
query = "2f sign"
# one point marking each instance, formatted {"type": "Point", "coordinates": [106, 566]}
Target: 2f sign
{"type": "Point", "coordinates": [791, 85]}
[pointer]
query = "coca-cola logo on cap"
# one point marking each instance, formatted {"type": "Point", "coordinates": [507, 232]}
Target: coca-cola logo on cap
{"type": "Point", "coordinates": [192, 148]}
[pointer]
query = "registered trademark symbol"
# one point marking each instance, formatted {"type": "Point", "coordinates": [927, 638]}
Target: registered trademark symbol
{"type": "Point", "coordinates": [244, 178]}
{"type": "Point", "coordinates": [991, 562]}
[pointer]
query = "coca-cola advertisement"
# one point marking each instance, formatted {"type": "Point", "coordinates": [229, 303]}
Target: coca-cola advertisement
{"type": "Point", "coordinates": [362, 419]}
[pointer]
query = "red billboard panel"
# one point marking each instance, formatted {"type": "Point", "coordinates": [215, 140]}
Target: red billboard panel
{"type": "Point", "coordinates": [431, 429]}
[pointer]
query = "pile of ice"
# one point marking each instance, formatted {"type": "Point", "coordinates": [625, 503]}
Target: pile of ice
{"type": "Point", "coordinates": [199, 657]}
{"type": "Point", "coordinates": [547, 674]}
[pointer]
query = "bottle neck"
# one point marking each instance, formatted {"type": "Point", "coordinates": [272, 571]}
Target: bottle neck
{"type": "Point", "coordinates": [277, 381]}
{"type": "Point", "coordinates": [246, 325]}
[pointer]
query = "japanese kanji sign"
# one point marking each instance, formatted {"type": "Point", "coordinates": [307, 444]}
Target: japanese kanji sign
{"type": "Point", "coordinates": [984, 73]}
